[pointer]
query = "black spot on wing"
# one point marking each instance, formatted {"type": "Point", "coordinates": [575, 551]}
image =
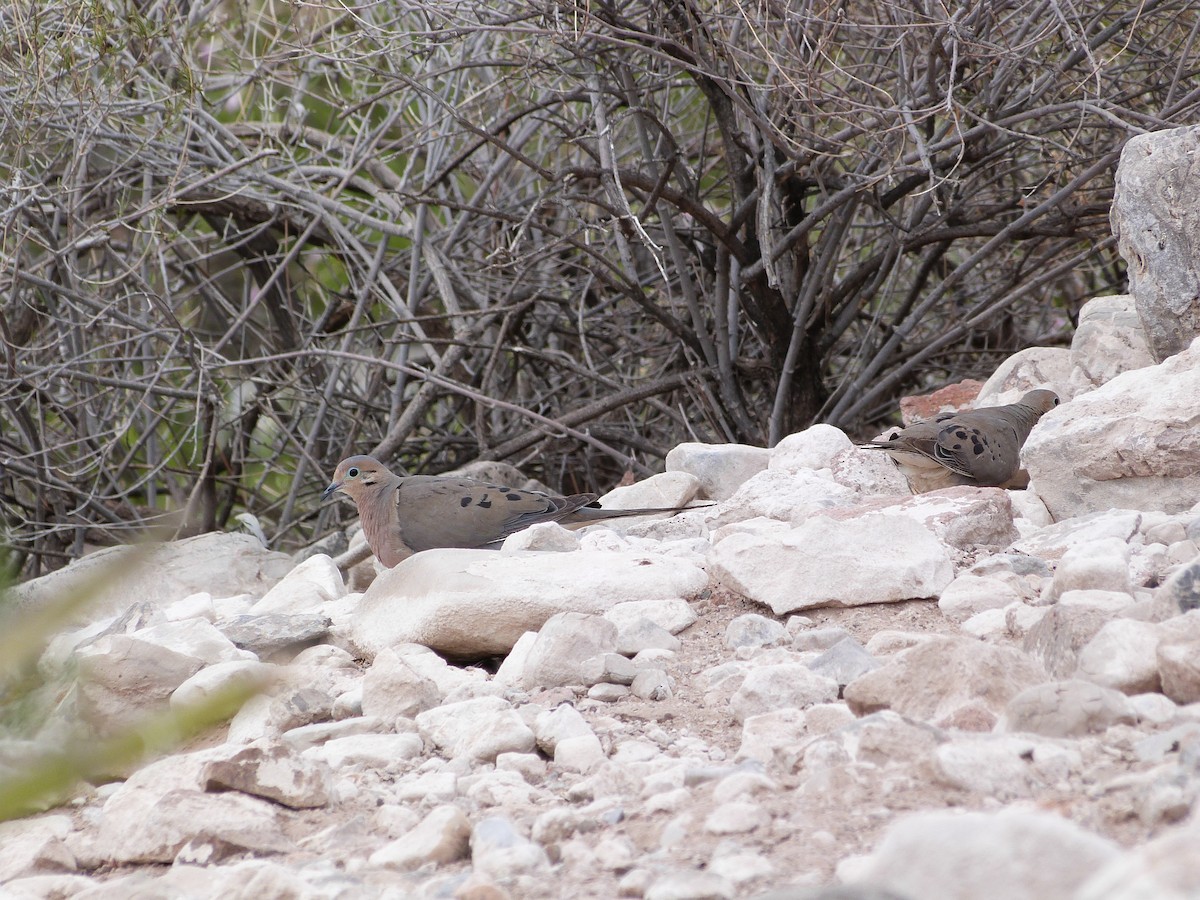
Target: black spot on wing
{"type": "Point", "coordinates": [485, 502]}
{"type": "Point", "coordinates": [464, 502]}
{"type": "Point", "coordinates": [513, 496]}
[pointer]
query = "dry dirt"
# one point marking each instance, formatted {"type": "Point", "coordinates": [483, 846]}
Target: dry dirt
{"type": "Point", "coordinates": [819, 824]}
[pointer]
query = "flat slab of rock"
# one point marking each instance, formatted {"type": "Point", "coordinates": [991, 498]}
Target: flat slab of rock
{"type": "Point", "coordinates": [473, 603]}
{"type": "Point", "coordinates": [963, 517]}
{"type": "Point", "coordinates": [272, 773]}
{"type": "Point", "coordinates": [221, 564]}
{"type": "Point", "coordinates": [141, 826]}
{"type": "Point", "coordinates": [823, 562]}
{"type": "Point", "coordinates": [268, 633]}
{"type": "Point", "coordinates": [936, 679]}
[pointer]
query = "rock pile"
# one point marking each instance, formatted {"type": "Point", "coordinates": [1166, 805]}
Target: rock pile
{"type": "Point", "coordinates": [786, 688]}
{"type": "Point", "coordinates": [819, 680]}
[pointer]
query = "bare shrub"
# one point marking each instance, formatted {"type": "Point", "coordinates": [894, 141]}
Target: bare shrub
{"type": "Point", "coordinates": [243, 240]}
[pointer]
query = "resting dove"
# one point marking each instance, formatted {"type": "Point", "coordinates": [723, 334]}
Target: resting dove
{"type": "Point", "coordinates": [403, 515]}
{"type": "Point", "coordinates": [980, 447]}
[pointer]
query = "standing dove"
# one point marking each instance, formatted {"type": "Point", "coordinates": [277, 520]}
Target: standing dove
{"type": "Point", "coordinates": [404, 515]}
{"type": "Point", "coordinates": [980, 447]}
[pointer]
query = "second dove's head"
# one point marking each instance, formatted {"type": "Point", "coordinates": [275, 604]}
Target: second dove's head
{"type": "Point", "coordinates": [1040, 400]}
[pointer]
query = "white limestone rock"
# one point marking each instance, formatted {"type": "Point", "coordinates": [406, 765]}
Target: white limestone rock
{"type": "Point", "coordinates": [563, 644]}
{"type": "Point", "coordinates": [512, 670]}
{"type": "Point", "coordinates": [392, 689]}
{"type": "Point", "coordinates": [753, 630]}
{"type": "Point", "coordinates": [194, 637]}
{"type": "Point", "coordinates": [472, 603]}
{"type": "Point", "coordinates": [544, 536]}
{"type": "Point", "coordinates": [690, 884]}
{"type": "Point", "coordinates": [1027, 370]}
{"type": "Point", "coordinates": [824, 448]}
{"type": "Point", "coordinates": [1003, 766]}
{"type": "Point", "coordinates": [1013, 621]}
{"type": "Point", "coordinates": [223, 679]}
{"type": "Point", "coordinates": [1158, 229]}
{"type": "Point", "coordinates": [1131, 443]}
{"type": "Point", "coordinates": [1066, 709]}
{"type": "Point", "coordinates": [843, 662]}
{"type": "Point", "coordinates": [967, 519]}
{"type": "Point", "coordinates": [652, 684]}
{"type": "Point", "coordinates": [273, 772]}
{"type": "Point", "coordinates": [774, 737]}
{"type": "Point", "coordinates": [937, 680]}
{"type": "Point", "coordinates": [123, 679]}
{"type": "Point", "coordinates": [499, 851]}
{"type": "Point", "coordinates": [783, 496]}
{"type": "Point", "coordinates": [316, 734]}
{"type": "Point", "coordinates": [1122, 656]}
{"type": "Point", "coordinates": [1167, 867]}
{"type": "Point", "coordinates": [643, 634]}
{"type": "Point", "coordinates": [442, 837]}
{"type": "Point", "coordinates": [1181, 591]}
{"type": "Point", "coordinates": [222, 565]}
{"type": "Point", "coordinates": [554, 725]}
{"type": "Point", "coordinates": [969, 594]}
{"type": "Point", "coordinates": [1109, 339]}
{"type": "Point", "coordinates": [1057, 638]}
{"type": "Point", "coordinates": [446, 677]}
{"type": "Point", "coordinates": [366, 751]}
{"type": "Point", "coordinates": [139, 825]}
{"type": "Point", "coordinates": [477, 730]}
{"type": "Point", "coordinates": [1013, 854]}
{"type": "Point", "coordinates": [741, 867]}
{"type": "Point", "coordinates": [1178, 663]}
{"type": "Point", "coordinates": [581, 753]}
{"type": "Point", "coordinates": [674, 614]}
{"type": "Point", "coordinates": [826, 562]}
{"type": "Point", "coordinates": [720, 468]}
{"type": "Point", "coordinates": [786, 685]}
{"type": "Point", "coordinates": [1051, 542]}
{"type": "Point", "coordinates": [736, 817]}
{"type": "Point", "coordinates": [666, 489]}
{"type": "Point", "coordinates": [1096, 565]}
{"type": "Point", "coordinates": [608, 668]}
{"type": "Point", "coordinates": [35, 847]}
{"type": "Point", "coordinates": [305, 589]}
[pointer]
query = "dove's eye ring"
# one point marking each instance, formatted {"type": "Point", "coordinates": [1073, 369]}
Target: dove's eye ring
{"type": "Point", "coordinates": [352, 472]}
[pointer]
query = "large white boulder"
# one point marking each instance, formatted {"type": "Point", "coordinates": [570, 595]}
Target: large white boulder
{"type": "Point", "coordinates": [1132, 443]}
{"type": "Point", "coordinates": [1156, 218]}
{"type": "Point", "coordinates": [110, 580]}
{"type": "Point", "coordinates": [473, 603]}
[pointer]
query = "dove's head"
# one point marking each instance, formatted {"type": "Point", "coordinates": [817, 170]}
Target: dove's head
{"type": "Point", "coordinates": [355, 474]}
{"type": "Point", "coordinates": [1041, 401]}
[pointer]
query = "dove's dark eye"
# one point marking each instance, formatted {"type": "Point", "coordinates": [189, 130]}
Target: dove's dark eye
{"type": "Point", "coordinates": [352, 472]}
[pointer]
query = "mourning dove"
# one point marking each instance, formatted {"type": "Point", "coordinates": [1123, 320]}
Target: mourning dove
{"type": "Point", "coordinates": [403, 515]}
{"type": "Point", "coordinates": [980, 447]}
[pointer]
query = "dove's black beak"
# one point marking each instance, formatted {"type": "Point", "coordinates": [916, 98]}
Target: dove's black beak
{"type": "Point", "coordinates": [331, 490]}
